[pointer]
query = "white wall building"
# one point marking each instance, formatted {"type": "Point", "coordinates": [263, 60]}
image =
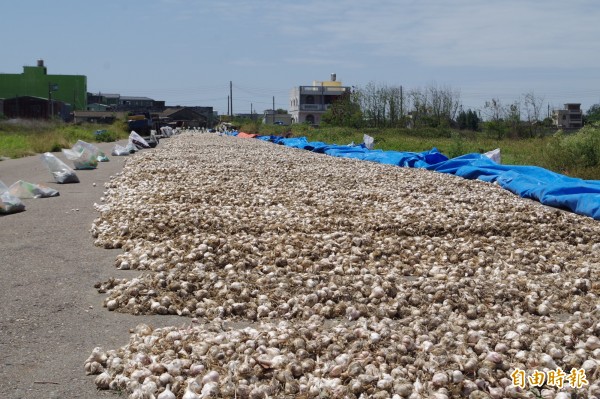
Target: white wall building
{"type": "Point", "coordinates": [309, 103]}
{"type": "Point", "coordinates": [570, 117]}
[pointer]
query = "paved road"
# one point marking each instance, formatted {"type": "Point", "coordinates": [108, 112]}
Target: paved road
{"type": "Point", "coordinates": [51, 317]}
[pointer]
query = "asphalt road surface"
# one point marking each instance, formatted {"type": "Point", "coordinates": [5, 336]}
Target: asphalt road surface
{"type": "Point", "coordinates": [51, 316]}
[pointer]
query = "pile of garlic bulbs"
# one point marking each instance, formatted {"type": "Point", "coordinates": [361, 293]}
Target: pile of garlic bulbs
{"type": "Point", "coordinates": [462, 276]}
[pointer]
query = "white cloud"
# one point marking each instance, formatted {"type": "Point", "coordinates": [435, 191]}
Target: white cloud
{"type": "Point", "coordinates": [507, 34]}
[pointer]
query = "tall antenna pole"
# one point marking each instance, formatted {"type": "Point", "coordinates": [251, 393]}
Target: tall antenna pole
{"type": "Point", "coordinates": [228, 114]}
{"type": "Point", "coordinates": [231, 96]}
{"type": "Point", "coordinates": [401, 102]}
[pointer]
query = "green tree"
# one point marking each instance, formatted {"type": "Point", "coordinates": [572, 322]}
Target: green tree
{"type": "Point", "coordinates": [472, 120]}
{"type": "Point", "coordinates": [344, 111]}
{"type": "Point", "coordinates": [467, 120]}
{"type": "Point", "coordinates": [593, 114]}
{"type": "Point", "coordinates": [461, 120]}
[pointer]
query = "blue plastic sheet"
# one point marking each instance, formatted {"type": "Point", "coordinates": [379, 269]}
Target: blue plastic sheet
{"type": "Point", "coordinates": [267, 138]}
{"type": "Point", "coordinates": [549, 188]}
{"type": "Point", "coordinates": [294, 142]}
{"type": "Point", "coordinates": [344, 151]}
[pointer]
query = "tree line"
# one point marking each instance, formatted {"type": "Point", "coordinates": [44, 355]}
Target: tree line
{"type": "Point", "coordinates": [388, 106]}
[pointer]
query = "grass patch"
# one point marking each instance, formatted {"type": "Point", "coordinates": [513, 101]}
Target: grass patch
{"type": "Point", "coordinates": [574, 154]}
{"type": "Point", "coordinates": [19, 138]}
{"type": "Point", "coordinates": [13, 145]}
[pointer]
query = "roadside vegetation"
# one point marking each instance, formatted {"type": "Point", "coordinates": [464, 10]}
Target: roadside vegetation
{"type": "Point", "coordinates": [19, 138]}
{"type": "Point", "coordinates": [420, 119]}
{"type": "Point", "coordinates": [436, 119]}
{"type": "Point", "coordinates": [575, 154]}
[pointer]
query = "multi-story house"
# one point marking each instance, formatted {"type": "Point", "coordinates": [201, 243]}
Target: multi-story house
{"type": "Point", "coordinates": [309, 103]}
{"type": "Point", "coordinates": [35, 82]}
{"type": "Point", "coordinates": [570, 117]}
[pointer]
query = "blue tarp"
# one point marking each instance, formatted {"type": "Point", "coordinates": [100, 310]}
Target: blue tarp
{"type": "Point", "coordinates": [345, 151]}
{"type": "Point", "coordinates": [406, 158]}
{"type": "Point", "coordinates": [267, 138]}
{"type": "Point", "coordinates": [549, 188]}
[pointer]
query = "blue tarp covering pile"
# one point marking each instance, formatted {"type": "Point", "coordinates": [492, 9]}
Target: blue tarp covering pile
{"type": "Point", "coordinates": [549, 188]}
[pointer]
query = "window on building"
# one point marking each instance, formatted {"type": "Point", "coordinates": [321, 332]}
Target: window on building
{"type": "Point", "coordinates": [310, 99]}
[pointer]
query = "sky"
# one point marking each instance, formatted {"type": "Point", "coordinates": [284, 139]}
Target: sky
{"type": "Point", "coordinates": [187, 52]}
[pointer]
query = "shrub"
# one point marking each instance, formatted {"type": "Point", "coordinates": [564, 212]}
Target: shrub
{"type": "Point", "coordinates": [567, 152]}
{"type": "Point", "coordinates": [457, 146]}
{"type": "Point", "coordinates": [106, 136]}
{"type": "Point", "coordinates": [584, 146]}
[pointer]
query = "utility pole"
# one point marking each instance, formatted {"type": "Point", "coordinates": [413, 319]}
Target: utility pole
{"type": "Point", "coordinates": [273, 109]}
{"type": "Point", "coordinates": [50, 100]}
{"type": "Point", "coordinates": [231, 96]}
{"type": "Point", "coordinates": [51, 87]}
{"type": "Point", "coordinates": [401, 103]}
{"type": "Point", "coordinates": [228, 114]}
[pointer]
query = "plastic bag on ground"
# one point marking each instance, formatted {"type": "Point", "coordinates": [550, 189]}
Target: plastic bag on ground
{"type": "Point", "coordinates": [166, 131]}
{"type": "Point", "coordinates": [131, 147]}
{"type": "Point", "coordinates": [23, 190]}
{"type": "Point", "coordinates": [84, 159]}
{"type": "Point", "coordinates": [138, 140]}
{"type": "Point", "coordinates": [119, 150]}
{"type": "Point", "coordinates": [8, 202]}
{"type": "Point", "coordinates": [97, 152]}
{"type": "Point", "coordinates": [153, 139]}
{"type": "Point", "coordinates": [368, 140]}
{"type": "Point", "coordinates": [60, 171]}
{"type": "Point", "coordinates": [494, 155]}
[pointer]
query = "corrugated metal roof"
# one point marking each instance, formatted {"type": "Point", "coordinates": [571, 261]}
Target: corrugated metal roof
{"type": "Point", "coordinates": [98, 114]}
{"type": "Point", "coordinates": [127, 98]}
{"type": "Point", "coordinates": [171, 111]}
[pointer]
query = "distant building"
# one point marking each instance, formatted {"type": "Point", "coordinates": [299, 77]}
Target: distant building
{"type": "Point", "coordinates": [36, 82]}
{"type": "Point", "coordinates": [135, 102]}
{"type": "Point", "coordinates": [31, 107]}
{"type": "Point", "coordinates": [271, 117]}
{"type": "Point", "coordinates": [570, 117]}
{"type": "Point", "coordinates": [103, 117]}
{"type": "Point", "coordinates": [252, 116]}
{"type": "Point", "coordinates": [209, 113]}
{"type": "Point", "coordinates": [99, 107]}
{"type": "Point", "coordinates": [117, 102]}
{"type": "Point", "coordinates": [107, 99]}
{"type": "Point", "coordinates": [187, 117]}
{"type": "Point", "coordinates": [309, 103]}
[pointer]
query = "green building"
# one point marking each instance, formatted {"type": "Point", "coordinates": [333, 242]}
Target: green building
{"type": "Point", "coordinates": [35, 81]}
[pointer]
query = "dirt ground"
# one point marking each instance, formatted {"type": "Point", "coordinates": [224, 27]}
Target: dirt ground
{"type": "Point", "coordinates": [51, 317]}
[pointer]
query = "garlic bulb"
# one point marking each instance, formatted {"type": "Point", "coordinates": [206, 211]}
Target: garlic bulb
{"type": "Point", "coordinates": [103, 380]}
{"type": "Point", "coordinates": [167, 393]}
{"type": "Point", "coordinates": [336, 277]}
